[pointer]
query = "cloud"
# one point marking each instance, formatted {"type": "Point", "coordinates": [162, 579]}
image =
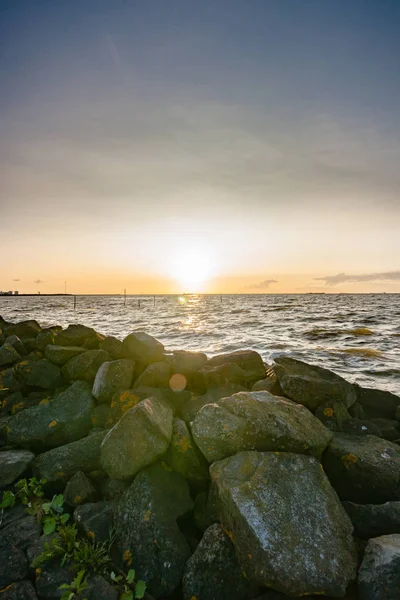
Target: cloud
{"type": "Point", "coordinates": [38, 281]}
{"type": "Point", "coordinates": [344, 278]}
{"type": "Point", "coordinates": [263, 285]}
{"type": "Point", "coordinates": [16, 280]}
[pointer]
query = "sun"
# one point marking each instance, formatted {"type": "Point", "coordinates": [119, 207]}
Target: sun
{"type": "Point", "coordinates": [192, 269]}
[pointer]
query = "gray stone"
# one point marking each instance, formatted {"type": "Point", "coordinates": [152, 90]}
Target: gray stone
{"type": "Point", "coordinates": [15, 342]}
{"type": "Point", "coordinates": [95, 520]}
{"type": "Point", "coordinates": [377, 403]}
{"type": "Point", "coordinates": [24, 329]}
{"type": "Point", "coordinates": [186, 362]}
{"type": "Point", "coordinates": [13, 565]}
{"type": "Point", "coordinates": [112, 377]}
{"type": "Point", "coordinates": [183, 456]}
{"type": "Point", "coordinates": [389, 429]}
{"type": "Point", "coordinates": [372, 520]}
{"type": "Point", "coordinates": [148, 536]}
{"type": "Point", "coordinates": [379, 574]}
{"type": "Point", "coordinates": [21, 590]}
{"type": "Point", "coordinates": [49, 579]}
{"type": "Point", "coordinates": [13, 463]}
{"type": "Point", "coordinates": [38, 373]}
{"type": "Point", "coordinates": [79, 490]}
{"type": "Point", "coordinates": [46, 336]}
{"type": "Point", "coordinates": [257, 421]}
{"type": "Point", "coordinates": [8, 355]}
{"type": "Point", "coordinates": [311, 385]}
{"type": "Point", "coordinates": [140, 437]}
{"type": "Point", "coordinates": [363, 469]}
{"type": "Point", "coordinates": [155, 375]}
{"type": "Point", "coordinates": [289, 529]}
{"type": "Point", "coordinates": [248, 360]}
{"type": "Point", "coordinates": [100, 589]}
{"type": "Point", "coordinates": [76, 335]}
{"type": "Point", "coordinates": [143, 348]}
{"type": "Point", "coordinates": [62, 463]}
{"type": "Point", "coordinates": [21, 533]}
{"type": "Point", "coordinates": [85, 366]}
{"type": "Point", "coordinates": [113, 347]}
{"type": "Point", "coordinates": [190, 409]}
{"type": "Point", "coordinates": [63, 420]}
{"type": "Point", "coordinates": [213, 571]}
{"type": "Point", "coordinates": [59, 355]}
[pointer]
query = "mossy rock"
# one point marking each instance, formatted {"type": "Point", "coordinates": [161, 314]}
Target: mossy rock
{"type": "Point", "coordinates": [85, 366]}
{"type": "Point", "coordinates": [257, 421]}
{"type": "Point", "coordinates": [363, 469]}
{"type": "Point", "coordinates": [65, 419]}
{"type": "Point", "coordinates": [38, 373]}
{"type": "Point", "coordinates": [112, 377]}
{"type": "Point", "coordinates": [311, 385]}
{"type": "Point", "coordinates": [289, 529]}
{"type": "Point", "coordinates": [140, 437]}
{"type": "Point", "coordinates": [183, 455]}
{"type": "Point", "coordinates": [59, 355]}
{"type": "Point", "coordinates": [148, 536]}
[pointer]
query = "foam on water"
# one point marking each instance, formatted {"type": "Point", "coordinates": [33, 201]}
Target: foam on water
{"type": "Point", "coordinates": [357, 336]}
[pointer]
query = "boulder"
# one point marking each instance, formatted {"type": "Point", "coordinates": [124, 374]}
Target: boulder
{"type": "Point", "coordinates": [183, 456]}
{"type": "Point", "coordinates": [79, 490]}
{"type": "Point", "coordinates": [8, 355]}
{"type": "Point", "coordinates": [228, 373]}
{"type": "Point", "coordinates": [12, 403]}
{"type": "Point", "coordinates": [186, 362]}
{"type": "Point", "coordinates": [213, 571]}
{"type": "Point", "coordinates": [100, 589]}
{"type": "Point", "coordinates": [148, 536]}
{"type": "Point", "coordinates": [155, 375]}
{"type": "Point", "coordinates": [63, 420]}
{"type": "Point", "coordinates": [24, 329]}
{"type": "Point", "coordinates": [113, 347]}
{"type": "Point", "coordinates": [9, 382]}
{"type": "Point", "coordinates": [139, 438]}
{"type": "Point", "coordinates": [143, 348]}
{"type": "Point", "coordinates": [13, 463]}
{"type": "Point", "coordinates": [257, 421]}
{"type": "Point", "coordinates": [377, 403]}
{"type": "Point", "coordinates": [38, 373]}
{"type": "Point", "coordinates": [389, 429]}
{"type": "Point", "coordinates": [13, 565]}
{"type": "Point", "coordinates": [59, 355]}
{"type": "Point", "coordinates": [333, 414]}
{"type": "Point", "coordinates": [289, 529]}
{"type": "Point", "coordinates": [190, 409]}
{"type": "Point", "coordinates": [112, 489]}
{"type": "Point", "coordinates": [269, 384]}
{"type": "Point", "coordinates": [112, 377]}
{"type": "Point", "coordinates": [15, 342]}
{"type": "Point", "coordinates": [379, 573]}
{"type": "Point", "coordinates": [363, 469]}
{"type": "Point", "coordinates": [95, 520]}
{"type": "Point", "coordinates": [49, 578]}
{"type": "Point", "coordinates": [398, 413]}
{"type": "Point", "coordinates": [21, 533]}
{"type": "Point", "coordinates": [248, 360]}
{"type": "Point", "coordinates": [62, 463]}
{"type": "Point", "coordinates": [85, 366]}
{"type": "Point", "coordinates": [21, 590]}
{"type": "Point", "coordinates": [76, 335]}
{"type": "Point", "coordinates": [46, 336]}
{"type": "Point", "coordinates": [311, 385]}
{"type": "Point", "coordinates": [372, 520]}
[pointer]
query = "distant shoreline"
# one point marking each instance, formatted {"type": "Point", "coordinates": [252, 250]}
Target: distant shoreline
{"type": "Point", "coordinates": [22, 295]}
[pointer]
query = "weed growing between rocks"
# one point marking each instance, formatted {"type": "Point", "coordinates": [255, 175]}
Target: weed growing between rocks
{"type": "Point", "coordinates": [83, 556]}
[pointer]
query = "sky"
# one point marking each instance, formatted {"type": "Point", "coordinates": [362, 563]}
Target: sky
{"type": "Point", "coordinates": [226, 146]}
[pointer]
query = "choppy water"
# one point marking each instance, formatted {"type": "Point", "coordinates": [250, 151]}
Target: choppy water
{"type": "Point", "coordinates": [357, 336]}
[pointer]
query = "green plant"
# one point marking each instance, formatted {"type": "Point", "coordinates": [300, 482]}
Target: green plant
{"type": "Point", "coordinates": [27, 491]}
{"type": "Point", "coordinates": [127, 581]}
{"type": "Point", "coordinates": [53, 514]}
{"type": "Point", "coordinates": [8, 499]}
{"type": "Point", "coordinates": [92, 557]}
{"type": "Point", "coordinates": [75, 588]}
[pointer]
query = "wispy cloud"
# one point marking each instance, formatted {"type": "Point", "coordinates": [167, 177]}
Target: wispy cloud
{"type": "Point", "coordinates": [38, 281]}
{"type": "Point", "coordinates": [16, 280]}
{"type": "Point", "coordinates": [263, 285]}
{"type": "Point", "coordinates": [360, 278]}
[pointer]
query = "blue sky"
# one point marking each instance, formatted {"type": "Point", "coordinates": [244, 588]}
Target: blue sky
{"type": "Point", "coordinates": [271, 125]}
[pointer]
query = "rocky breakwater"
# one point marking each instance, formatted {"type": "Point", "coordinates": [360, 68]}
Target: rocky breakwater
{"type": "Point", "coordinates": [128, 472]}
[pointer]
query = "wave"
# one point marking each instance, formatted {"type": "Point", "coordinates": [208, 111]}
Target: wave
{"type": "Point", "coordinates": [320, 332]}
{"type": "Point", "coordinates": [366, 352]}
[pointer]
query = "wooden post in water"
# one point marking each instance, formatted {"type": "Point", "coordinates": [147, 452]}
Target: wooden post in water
{"type": "Point", "coordinates": [154, 300]}
{"type": "Point", "coordinates": [124, 297]}
{"type": "Point", "coordinates": [74, 302]}
{"type": "Point", "coordinates": [139, 303]}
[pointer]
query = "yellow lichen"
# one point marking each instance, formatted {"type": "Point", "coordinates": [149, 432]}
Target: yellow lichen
{"type": "Point", "coordinates": [77, 499]}
{"type": "Point", "coordinates": [17, 407]}
{"type": "Point", "coordinates": [328, 412]}
{"type": "Point", "coordinates": [91, 534]}
{"type": "Point", "coordinates": [127, 557]}
{"type": "Point", "coordinates": [45, 401]}
{"type": "Point", "coordinates": [184, 444]}
{"type": "Point", "coordinates": [146, 516]}
{"type": "Point", "coordinates": [53, 423]}
{"type": "Point", "coordinates": [349, 459]}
